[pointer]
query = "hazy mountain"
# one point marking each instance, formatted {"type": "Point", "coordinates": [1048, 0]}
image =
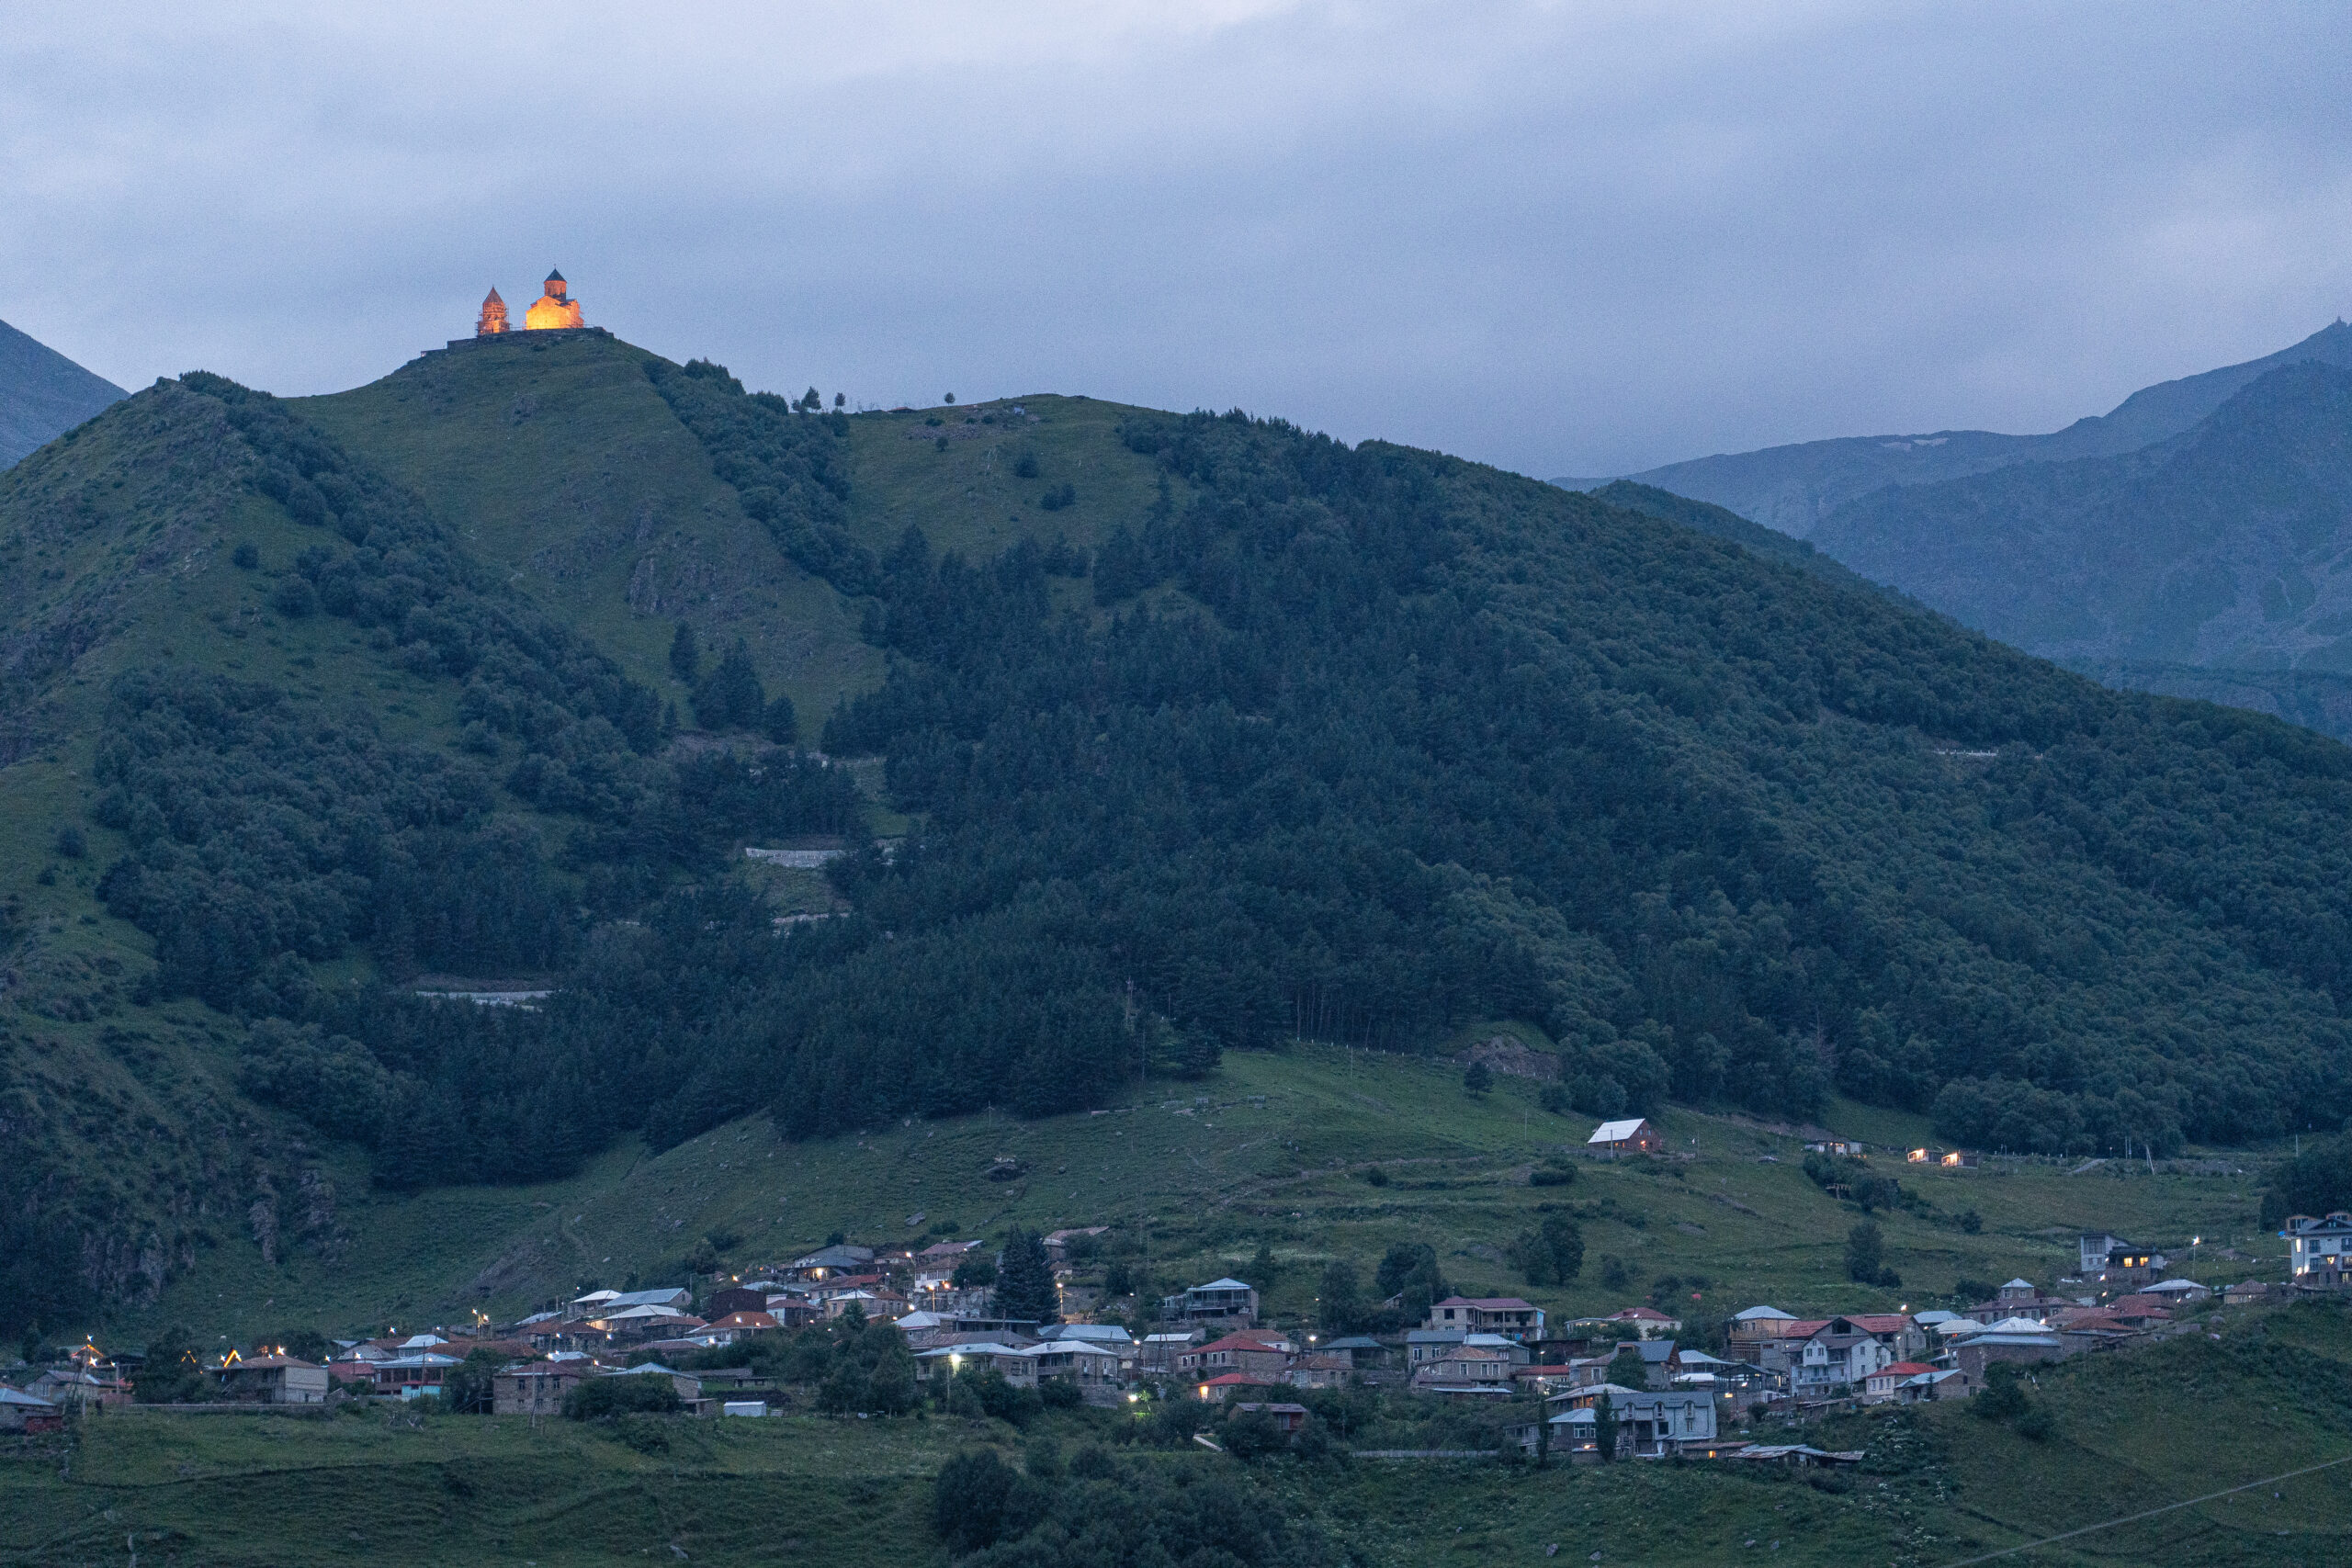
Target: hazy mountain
{"type": "Point", "coordinates": [42, 394]}
{"type": "Point", "coordinates": [1794, 487]}
{"type": "Point", "coordinates": [2224, 547]}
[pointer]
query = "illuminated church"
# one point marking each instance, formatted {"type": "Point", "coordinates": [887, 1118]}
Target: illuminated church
{"type": "Point", "coordinates": [554, 308]}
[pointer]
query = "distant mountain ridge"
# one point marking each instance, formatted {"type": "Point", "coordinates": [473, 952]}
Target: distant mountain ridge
{"type": "Point", "coordinates": [2224, 547]}
{"type": "Point", "coordinates": [43, 394]}
{"type": "Point", "coordinates": [1793, 488]}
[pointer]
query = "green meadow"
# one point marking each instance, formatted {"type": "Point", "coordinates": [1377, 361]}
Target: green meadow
{"type": "Point", "coordinates": [1273, 1150]}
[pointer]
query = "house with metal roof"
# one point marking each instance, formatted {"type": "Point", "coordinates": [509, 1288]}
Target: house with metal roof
{"type": "Point", "coordinates": [1632, 1135]}
{"type": "Point", "coordinates": [2179, 1293]}
{"type": "Point", "coordinates": [1226, 1301]}
{"type": "Point", "coordinates": [21, 1412]}
{"type": "Point", "coordinates": [2012, 1341]}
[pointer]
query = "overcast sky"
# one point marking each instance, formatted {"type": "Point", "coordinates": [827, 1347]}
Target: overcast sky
{"type": "Point", "coordinates": [1564, 238]}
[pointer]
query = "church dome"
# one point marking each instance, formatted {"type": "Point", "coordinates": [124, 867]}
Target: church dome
{"type": "Point", "coordinates": [553, 309]}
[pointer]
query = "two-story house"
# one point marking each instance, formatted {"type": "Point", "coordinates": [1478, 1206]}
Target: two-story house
{"type": "Point", "coordinates": [1507, 1315]}
{"type": "Point", "coordinates": [1836, 1360]}
{"type": "Point", "coordinates": [1222, 1301]}
{"type": "Point", "coordinates": [2319, 1251]}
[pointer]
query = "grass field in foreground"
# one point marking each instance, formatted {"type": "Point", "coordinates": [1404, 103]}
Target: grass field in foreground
{"type": "Point", "coordinates": [2247, 1394]}
{"type": "Point", "coordinates": [1271, 1150]}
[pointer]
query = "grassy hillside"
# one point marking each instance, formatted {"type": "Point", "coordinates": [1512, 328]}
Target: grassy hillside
{"type": "Point", "coordinates": [971, 495]}
{"type": "Point", "coordinates": [1248, 736]}
{"type": "Point", "coordinates": [559, 466]}
{"type": "Point", "coordinates": [1938, 1483]}
{"type": "Point", "coordinates": [1271, 1151]}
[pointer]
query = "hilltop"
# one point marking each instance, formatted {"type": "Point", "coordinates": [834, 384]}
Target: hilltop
{"type": "Point", "coordinates": [1197, 735]}
{"type": "Point", "coordinates": [42, 394]}
{"type": "Point", "coordinates": [1795, 488]}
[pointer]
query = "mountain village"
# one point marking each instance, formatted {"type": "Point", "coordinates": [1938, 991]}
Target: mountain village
{"type": "Point", "coordinates": [1635, 1383]}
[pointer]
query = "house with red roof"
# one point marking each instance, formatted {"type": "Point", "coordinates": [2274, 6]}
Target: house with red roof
{"type": "Point", "coordinates": [1221, 1387]}
{"type": "Point", "coordinates": [1886, 1384]}
{"type": "Point", "coordinates": [736, 1325]}
{"type": "Point", "coordinates": [1894, 1330]}
{"type": "Point", "coordinates": [1263, 1354]}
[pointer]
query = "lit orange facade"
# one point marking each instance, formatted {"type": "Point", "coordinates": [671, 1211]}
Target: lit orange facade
{"type": "Point", "coordinates": [493, 316]}
{"type": "Point", "coordinates": [553, 307]}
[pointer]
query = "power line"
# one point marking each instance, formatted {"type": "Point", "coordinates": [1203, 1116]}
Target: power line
{"type": "Point", "coordinates": [2148, 1514]}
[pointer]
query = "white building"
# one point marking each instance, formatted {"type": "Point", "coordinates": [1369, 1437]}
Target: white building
{"type": "Point", "coordinates": [2319, 1249]}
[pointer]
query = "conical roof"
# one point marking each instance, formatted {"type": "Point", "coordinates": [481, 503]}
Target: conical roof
{"type": "Point", "coordinates": [554, 277]}
{"type": "Point", "coordinates": [492, 298]}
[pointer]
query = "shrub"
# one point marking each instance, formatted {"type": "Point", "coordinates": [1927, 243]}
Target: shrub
{"type": "Point", "coordinates": [1558, 1173]}
{"type": "Point", "coordinates": [1338, 1305]}
{"type": "Point", "coordinates": [1554, 1098]}
{"type": "Point", "coordinates": [1377, 1176]}
{"type": "Point", "coordinates": [2002, 1398]}
{"type": "Point", "coordinates": [968, 1500]}
{"type": "Point", "coordinates": [843, 1390]}
{"type": "Point", "coordinates": [470, 1390]}
{"type": "Point", "coordinates": [71, 845]}
{"type": "Point", "coordinates": [295, 598]}
{"type": "Point", "coordinates": [1026, 467]}
{"type": "Point", "coordinates": [245, 556]}
{"type": "Point", "coordinates": [1250, 1434]}
{"type": "Point", "coordinates": [998, 1398]}
{"type": "Point", "coordinates": [1551, 1255]}
{"type": "Point", "coordinates": [1477, 1078]}
{"type": "Point", "coordinates": [642, 1393]}
{"type": "Point", "coordinates": [646, 1434]}
{"type": "Point", "coordinates": [1865, 1253]}
{"type": "Point", "coordinates": [170, 1375]}
{"type": "Point", "coordinates": [1059, 497]}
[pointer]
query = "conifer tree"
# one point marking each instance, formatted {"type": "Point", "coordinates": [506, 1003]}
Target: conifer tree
{"type": "Point", "coordinates": [730, 697]}
{"type": "Point", "coordinates": [1024, 1284]}
{"type": "Point", "coordinates": [686, 654]}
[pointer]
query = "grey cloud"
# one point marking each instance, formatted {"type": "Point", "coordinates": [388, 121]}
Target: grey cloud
{"type": "Point", "coordinates": [1565, 239]}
